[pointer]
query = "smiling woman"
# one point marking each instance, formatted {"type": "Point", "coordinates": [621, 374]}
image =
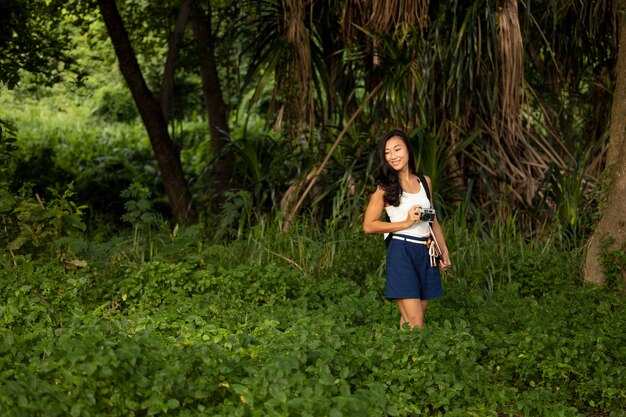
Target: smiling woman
{"type": "Point", "coordinates": [412, 278]}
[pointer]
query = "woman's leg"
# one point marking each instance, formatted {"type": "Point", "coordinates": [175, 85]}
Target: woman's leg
{"type": "Point", "coordinates": [411, 311]}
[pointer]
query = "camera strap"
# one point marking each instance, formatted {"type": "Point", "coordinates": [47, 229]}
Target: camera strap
{"type": "Point", "coordinates": [434, 249]}
{"type": "Point", "coordinates": [425, 185]}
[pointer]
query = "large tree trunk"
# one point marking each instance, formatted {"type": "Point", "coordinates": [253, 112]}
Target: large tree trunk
{"type": "Point", "coordinates": [217, 110]}
{"type": "Point", "coordinates": [612, 224]}
{"type": "Point", "coordinates": [149, 108]}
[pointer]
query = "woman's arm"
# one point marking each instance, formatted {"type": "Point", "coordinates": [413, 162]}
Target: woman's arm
{"type": "Point", "coordinates": [374, 211]}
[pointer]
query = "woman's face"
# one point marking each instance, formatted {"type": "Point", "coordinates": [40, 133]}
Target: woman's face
{"type": "Point", "coordinates": [396, 153]}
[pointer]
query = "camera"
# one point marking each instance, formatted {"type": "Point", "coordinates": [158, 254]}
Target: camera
{"type": "Point", "coordinates": [427, 214]}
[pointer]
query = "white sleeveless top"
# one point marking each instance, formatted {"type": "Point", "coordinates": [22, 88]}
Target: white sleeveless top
{"type": "Point", "coordinates": [398, 214]}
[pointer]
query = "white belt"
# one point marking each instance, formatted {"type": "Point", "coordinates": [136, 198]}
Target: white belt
{"type": "Point", "coordinates": [432, 252]}
{"type": "Point", "coordinates": [408, 239]}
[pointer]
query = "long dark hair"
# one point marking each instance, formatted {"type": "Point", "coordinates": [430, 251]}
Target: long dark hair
{"type": "Point", "coordinates": [387, 177]}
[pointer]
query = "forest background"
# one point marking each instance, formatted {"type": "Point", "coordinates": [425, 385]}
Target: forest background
{"type": "Point", "coordinates": [182, 188]}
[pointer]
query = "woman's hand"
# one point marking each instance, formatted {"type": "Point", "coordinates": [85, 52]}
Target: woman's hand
{"type": "Point", "coordinates": [445, 262]}
{"type": "Point", "coordinates": [413, 216]}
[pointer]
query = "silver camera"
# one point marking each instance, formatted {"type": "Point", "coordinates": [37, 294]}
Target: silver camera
{"type": "Point", "coordinates": [427, 214]}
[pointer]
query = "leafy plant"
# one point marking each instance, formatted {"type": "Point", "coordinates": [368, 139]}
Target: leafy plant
{"type": "Point", "coordinates": [144, 221]}
{"type": "Point", "coordinates": [32, 225]}
{"type": "Point", "coordinates": [565, 197]}
{"type": "Point", "coordinates": [7, 148]}
{"type": "Point", "coordinates": [236, 215]}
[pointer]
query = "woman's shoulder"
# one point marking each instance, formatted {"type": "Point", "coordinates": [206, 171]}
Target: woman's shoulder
{"type": "Point", "coordinates": [378, 197]}
{"type": "Point", "coordinates": [379, 191]}
{"type": "Point", "coordinates": [421, 175]}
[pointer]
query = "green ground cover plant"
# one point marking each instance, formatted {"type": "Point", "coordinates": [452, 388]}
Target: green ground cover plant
{"type": "Point", "coordinates": [261, 327]}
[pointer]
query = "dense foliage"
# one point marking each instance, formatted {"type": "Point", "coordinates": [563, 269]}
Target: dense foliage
{"type": "Point", "coordinates": [297, 325]}
{"type": "Point", "coordinates": [439, 71]}
{"type": "Point", "coordinates": [110, 309]}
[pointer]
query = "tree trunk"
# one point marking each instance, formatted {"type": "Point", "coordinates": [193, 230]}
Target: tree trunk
{"type": "Point", "coordinates": [167, 87]}
{"type": "Point", "coordinates": [217, 110]}
{"type": "Point", "coordinates": [149, 108]}
{"type": "Point", "coordinates": [612, 224]}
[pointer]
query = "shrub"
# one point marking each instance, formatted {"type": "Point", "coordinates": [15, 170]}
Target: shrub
{"type": "Point", "coordinates": [114, 104]}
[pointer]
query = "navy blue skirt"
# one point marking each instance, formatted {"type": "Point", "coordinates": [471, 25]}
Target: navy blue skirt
{"type": "Point", "coordinates": [408, 270]}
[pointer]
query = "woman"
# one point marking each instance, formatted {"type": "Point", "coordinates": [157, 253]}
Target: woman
{"type": "Point", "coordinates": [411, 278]}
